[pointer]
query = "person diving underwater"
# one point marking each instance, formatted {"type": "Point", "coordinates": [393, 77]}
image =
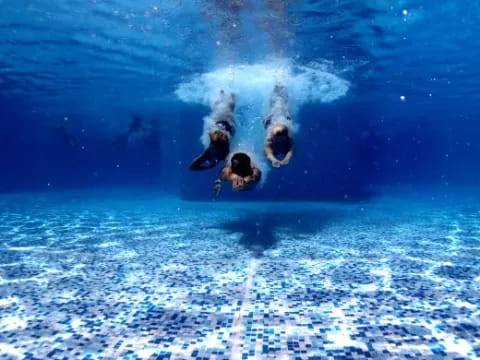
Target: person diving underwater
{"type": "Point", "coordinates": [278, 124]}
{"type": "Point", "coordinates": [240, 172]}
{"type": "Point", "coordinates": [220, 127]}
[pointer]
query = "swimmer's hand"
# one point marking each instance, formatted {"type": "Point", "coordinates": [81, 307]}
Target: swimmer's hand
{"type": "Point", "coordinates": [285, 161]}
{"type": "Point", "coordinates": [217, 187]}
{"type": "Point", "coordinates": [237, 183]}
{"type": "Point", "coordinates": [276, 163]}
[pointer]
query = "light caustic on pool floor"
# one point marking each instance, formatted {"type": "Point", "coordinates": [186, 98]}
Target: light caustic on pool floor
{"type": "Point", "coordinates": [239, 281]}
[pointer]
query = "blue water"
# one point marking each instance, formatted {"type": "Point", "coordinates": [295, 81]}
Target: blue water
{"type": "Point", "coordinates": [366, 245]}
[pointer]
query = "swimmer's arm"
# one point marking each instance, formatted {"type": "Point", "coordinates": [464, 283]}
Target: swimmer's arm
{"type": "Point", "coordinates": [267, 148]}
{"type": "Point", "coordinates": [289, 155]}
{"type": "Point", "coordinates": [203, 161]}
{"type": "Point", "coordinates": [254, 178]}
{"type": "Point", "coordinates": [225, 174]}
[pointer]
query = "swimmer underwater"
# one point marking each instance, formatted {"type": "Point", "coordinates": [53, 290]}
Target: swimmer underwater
{"type": "Point", "coordinates": [241, 173]}
{"type": "Point", "coordinates": [220, 126]}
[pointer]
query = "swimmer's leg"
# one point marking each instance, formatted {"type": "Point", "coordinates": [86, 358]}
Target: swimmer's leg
{"type": "Point", "coordinates": [279, 94]}
{"type": "Point", "coordinates": [220, 131]}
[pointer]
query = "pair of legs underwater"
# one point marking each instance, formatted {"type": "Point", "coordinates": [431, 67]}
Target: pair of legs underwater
{"type": "Point", "coordinates": [239, 169]}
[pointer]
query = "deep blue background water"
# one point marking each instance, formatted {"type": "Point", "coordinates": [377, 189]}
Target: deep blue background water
{"type": "Point", "coordinates": [103, 260]}
{"type": "Point", "coordinates": [80, 69]}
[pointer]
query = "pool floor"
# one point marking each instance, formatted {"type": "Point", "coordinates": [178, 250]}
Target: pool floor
{"type": "Point", "coordinates": [92, 277]}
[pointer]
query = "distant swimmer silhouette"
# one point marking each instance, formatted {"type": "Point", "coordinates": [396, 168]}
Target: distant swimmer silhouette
{"type": "Point", "coordinates": [220, 126]}
{"type": "Point", "coordinates": [67, 137]}
{"type": "Point", "coordinates": [137, 127]}
{"type": "Point", "coordinates": [278, 124]}
{"type": "Point", "coordinates": [241, 173]}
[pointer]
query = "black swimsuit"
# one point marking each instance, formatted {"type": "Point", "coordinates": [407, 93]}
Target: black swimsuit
{"type": "Point", "coordinates": [225, 126]}
{"type": "Point", "coordinates": [269, 121]}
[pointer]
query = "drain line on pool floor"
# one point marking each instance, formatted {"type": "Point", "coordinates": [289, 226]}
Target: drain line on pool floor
{"type": "Point", "coordinates": [238, 326]}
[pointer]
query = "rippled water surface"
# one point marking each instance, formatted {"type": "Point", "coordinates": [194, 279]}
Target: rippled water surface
{"type": "Point", "coordinates": [108, 50]}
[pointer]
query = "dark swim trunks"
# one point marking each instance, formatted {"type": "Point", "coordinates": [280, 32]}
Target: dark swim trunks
{"type": "Point", "coordinates": [225, 126]}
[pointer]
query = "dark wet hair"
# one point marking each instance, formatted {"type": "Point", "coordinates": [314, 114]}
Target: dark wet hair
{"type": "Point", "coordinates": [241, 164]}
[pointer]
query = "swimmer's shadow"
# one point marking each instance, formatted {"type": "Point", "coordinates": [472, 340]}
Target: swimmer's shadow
{"type": "Point", "coordinates": [259, 230]}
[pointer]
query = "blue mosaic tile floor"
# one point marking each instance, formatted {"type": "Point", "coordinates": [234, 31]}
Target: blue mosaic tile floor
{"type": "Point", "coordinates": [155, 278]}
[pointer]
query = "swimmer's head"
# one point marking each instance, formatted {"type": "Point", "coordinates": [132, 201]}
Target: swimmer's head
{"type": "Point", "coordinates": [241, 164]}
{"type": "Point", "coordinates": [280, 131]}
